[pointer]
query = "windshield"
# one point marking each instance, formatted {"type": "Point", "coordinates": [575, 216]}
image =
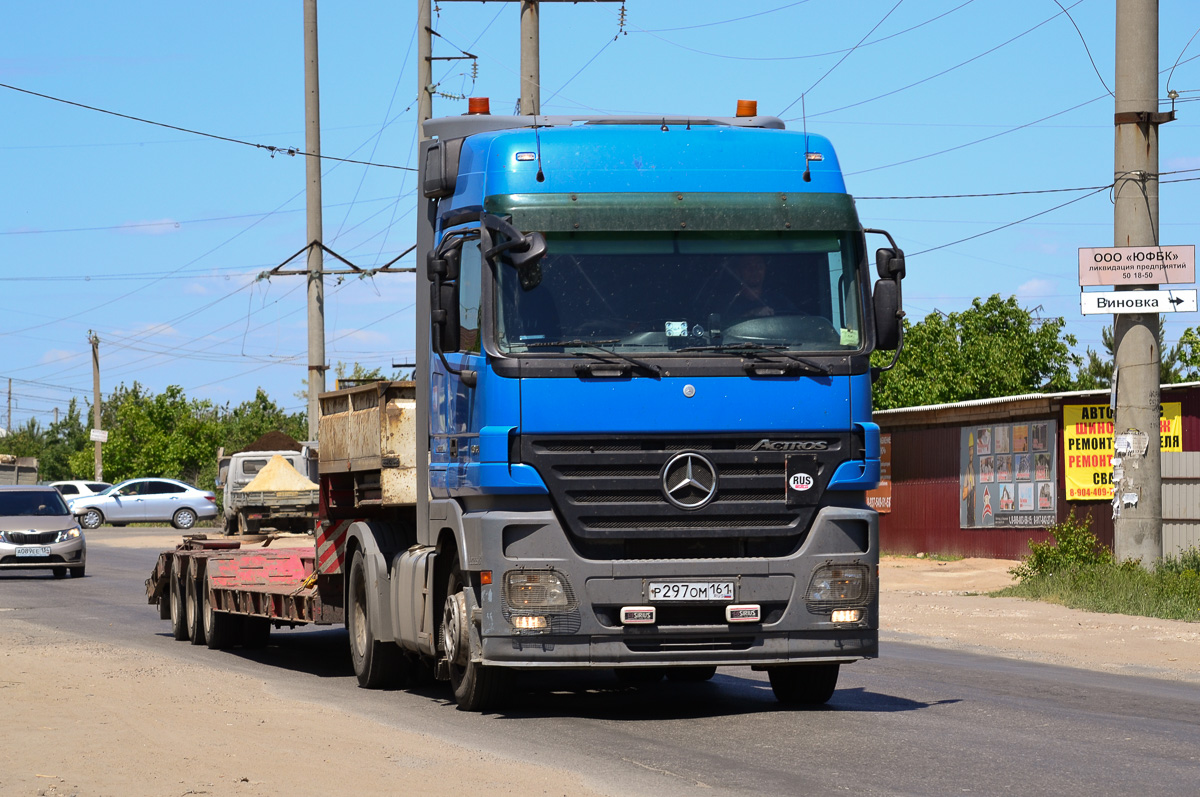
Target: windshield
{"type": "Point", "coordinates": [666, 291]}
{"type": "Point", "coordinates": [15, 503]}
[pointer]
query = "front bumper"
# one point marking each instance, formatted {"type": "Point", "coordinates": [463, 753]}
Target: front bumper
{"type": "Point", "coordinates": [589, 633]}
{"type": "Point", "coordinates": [72, 553]}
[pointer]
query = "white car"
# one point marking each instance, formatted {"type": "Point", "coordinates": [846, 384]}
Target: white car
{"type": "Point", "coordinates": [74, 489]}
{"type": "Point", "coordinates": [146, 501]}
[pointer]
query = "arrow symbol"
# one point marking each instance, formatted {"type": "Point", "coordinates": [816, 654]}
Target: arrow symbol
{"type": "Point", "coordinates": [1175, 301]}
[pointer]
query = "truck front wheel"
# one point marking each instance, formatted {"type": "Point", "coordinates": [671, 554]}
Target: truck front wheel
{"type": "Point", "coordinates": [804, 684]}
{"type": "Point", "coordinates": [477, 687]}
{"type": "Point", "coordinates": [376, 664]}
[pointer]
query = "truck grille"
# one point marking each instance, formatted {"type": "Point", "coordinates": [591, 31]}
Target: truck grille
{"type": "Point", "coordinates": [610, 494]}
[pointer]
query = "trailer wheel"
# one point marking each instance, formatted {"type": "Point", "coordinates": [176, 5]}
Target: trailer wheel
{"type": "Point", "coordinates": [256, 632]}
{"type": "Point", "coordinates": [376, 664]}
{"type": "Point", "coordinates": [219, 628]}
{"type": "Point", "coordinates": [195, 612]}
{"type": "Point", "coordinates": [477, 687]}
{"type": "Point", "coordinates": [804, 684]}
{"type": "Point", "coordinates": [178, 601]}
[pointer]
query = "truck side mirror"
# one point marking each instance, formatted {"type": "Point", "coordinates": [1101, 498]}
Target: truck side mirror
{"type": "Point", "coordinates": [889, 263]}
{"type": "Point", "coordinates": [888, 315]}
{"type": "Point", "coordinates": [449, 321]}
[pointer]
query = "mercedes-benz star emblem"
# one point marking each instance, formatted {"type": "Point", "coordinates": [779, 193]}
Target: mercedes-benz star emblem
{"type": "Point", "coordinates": [689, 480]}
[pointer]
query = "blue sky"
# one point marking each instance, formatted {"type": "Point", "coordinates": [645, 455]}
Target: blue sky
{"type": "Point", "coordinates": [154, 238]}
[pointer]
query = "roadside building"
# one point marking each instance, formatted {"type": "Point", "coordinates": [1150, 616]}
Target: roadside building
{"type": "Point", "coordinates": [984, 478]}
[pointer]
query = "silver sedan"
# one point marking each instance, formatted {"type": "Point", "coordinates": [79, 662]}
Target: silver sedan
{"type": "Point", "coordinates": [146, 501]}
{"type": "Point", "coordinates": [38, 532]}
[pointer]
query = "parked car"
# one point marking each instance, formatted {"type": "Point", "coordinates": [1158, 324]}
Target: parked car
{"type": "Point", "coordinates": [37, 531]}
{"type": "Point", "coordinates": [74, 489]}
{"type": "Point", "coordinates": [146, 501]}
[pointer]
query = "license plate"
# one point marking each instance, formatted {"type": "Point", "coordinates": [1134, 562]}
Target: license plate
{"type": "Point", "coordinates": [691, 591]}
{"type": "Point", "coordinates": [34, 550]}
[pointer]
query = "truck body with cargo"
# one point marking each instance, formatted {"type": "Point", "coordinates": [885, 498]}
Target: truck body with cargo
{"type": "Point", "coordinates": [18, 470]}
{"type": "Point", "coordinates": [270, 484]}
{"type": "Point", "coordinates": [639, 435]}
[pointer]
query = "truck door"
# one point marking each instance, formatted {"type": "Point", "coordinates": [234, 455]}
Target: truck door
{"type": "Point", "coordinates": [454, 427]}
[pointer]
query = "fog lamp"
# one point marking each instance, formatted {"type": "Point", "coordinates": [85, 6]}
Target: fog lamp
{"type": "Point", "coordinates": [846, 615]}
{"type": "Point", "coordinates": [527, 622]}
{"type": "Point", "coordinates": [536, 589]}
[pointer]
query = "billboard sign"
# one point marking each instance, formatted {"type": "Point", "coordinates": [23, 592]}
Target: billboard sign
{"type": "Point", "coordinates": [1138, 265]}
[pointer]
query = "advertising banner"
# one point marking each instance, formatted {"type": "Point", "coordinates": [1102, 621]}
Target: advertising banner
{"type": "Point", "coordinates": [880, 499]}
{"type": "Point", "coordinates": [1088, 446]}
{"type": "Point", "coordinates": [1007, 475]}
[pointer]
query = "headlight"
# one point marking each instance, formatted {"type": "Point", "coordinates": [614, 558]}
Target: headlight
{"type": "Point", "coordinates": [536, 589]}
{"type": "Point", "coordinates": [838, 586]}
{"type": "Point", "coordinates": [67, 534]}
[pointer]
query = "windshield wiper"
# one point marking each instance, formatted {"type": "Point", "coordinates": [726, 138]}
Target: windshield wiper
{"type": "Point", "coordinates": [755, 349]}
{"type": "Point", "coordinates": [650, 368]}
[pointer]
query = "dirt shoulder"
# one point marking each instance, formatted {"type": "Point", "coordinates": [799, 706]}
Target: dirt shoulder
{"type": "Point", "coordinates": [945, 604]}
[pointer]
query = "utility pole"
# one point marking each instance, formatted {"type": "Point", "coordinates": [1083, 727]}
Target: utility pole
{"type": "Point", "coordinates": [94, 339]}
{"type": "Point", "coordinates": [424, 66]}
{"type": "Point", "coordinates": [1137, 478]}
{"type": "Point", "coordinates": [316, 255]}
{"type": "Point", "coordinates": [9, 426]}
{"type": "Point", "coordinates": [531, 69]}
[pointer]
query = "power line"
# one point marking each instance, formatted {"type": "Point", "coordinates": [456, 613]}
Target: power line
{"type": "Point", "coordinates": [843, 58]}
{"type": "Point", "coordinates": [1010, 224]}
{"type": "Point", "coordinates": [273, 150]}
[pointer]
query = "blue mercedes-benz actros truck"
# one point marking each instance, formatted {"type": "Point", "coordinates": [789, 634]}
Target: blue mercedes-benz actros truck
{"type": "Point", "coordinates": [643, 405]}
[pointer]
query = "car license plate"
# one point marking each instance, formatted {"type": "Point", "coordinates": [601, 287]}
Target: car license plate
{"type": "Point", "coordinates": [34, 550]}
{"type": "Point", "coordinates": [691, 591]}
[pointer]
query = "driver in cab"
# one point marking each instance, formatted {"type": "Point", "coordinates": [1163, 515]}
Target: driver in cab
{"type": "Point", "coordinates": [750, 300]}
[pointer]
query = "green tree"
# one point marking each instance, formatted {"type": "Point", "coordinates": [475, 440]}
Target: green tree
{"type": "Point", "coordinates": [64, 439]}
{"type": "Point", "coordinates": [993, 348]}
{"type": "Point", "coordinates": [158, 435]}
{"type": "Point", "coordinates": [1180, 363]}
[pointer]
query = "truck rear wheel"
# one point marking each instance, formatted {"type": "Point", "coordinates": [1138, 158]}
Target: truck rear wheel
{"type": "Point", "coordinates": [477, 687]}
{"type": "Point", "coordinates": [178, 601]}
{"type": "Point", "coordinates": [804, 684]}
{"type": "Point", "coordinates": [376, 664]}
{"type": "Point", "coordinates": [256, 632]}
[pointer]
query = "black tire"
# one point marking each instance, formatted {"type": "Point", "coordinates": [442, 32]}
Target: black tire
{"type": "Point", "coordinates": [256, 632]}
{"type": "Point", "coordinates": [194, 609]}
{"type": "Point", "coordinates": [77, 571]}
{"type": "Point", "coordinates": [691, 675]}
{"type": "Point", "coordinates": [477, 687]}
{"type": "Point", "coordinates": [92, 518]}
{"type": "Point", "coordinates": [377, 665]}
{"type": "Point", "coordinates": [178, 602]}
{"type": "Point", "coordinates": [639, 675]}
{"type": "Point", "coordinates": [220, 629]}
{"type": "Point", "coordinates": [184, 518]}
{"type": "Point", "coordinates": [804, 684]}
{"type": "Point", "coordinates": [58, 572]}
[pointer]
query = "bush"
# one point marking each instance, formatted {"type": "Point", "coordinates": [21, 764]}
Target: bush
{"type": "Point", "coordinates": [1074, 546]}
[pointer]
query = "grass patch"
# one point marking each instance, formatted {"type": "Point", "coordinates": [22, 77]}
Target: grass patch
{"type": "Point", "coordinates": [936, 557]}
{"type": "Point", "coordinates": [1075, 570]}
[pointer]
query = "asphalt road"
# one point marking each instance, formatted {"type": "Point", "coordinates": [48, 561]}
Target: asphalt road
{"type": "Point", "coordinates": [918, 720]}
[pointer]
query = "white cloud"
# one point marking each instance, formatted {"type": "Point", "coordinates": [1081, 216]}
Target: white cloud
{"type": "Point", "coordinates": [1035, 289]}
{"type": "Point", "coordinates": [57, 356]}
{"type": "Point", "coordinates": [366, 336]}
{"type": "Point", "coordinates": [195, 289]}
{"type": "Point", "coordinates": [1178, 164]}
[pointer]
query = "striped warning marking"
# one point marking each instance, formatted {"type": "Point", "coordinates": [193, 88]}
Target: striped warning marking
{"type": "Point", "coordinates": [331, 545]}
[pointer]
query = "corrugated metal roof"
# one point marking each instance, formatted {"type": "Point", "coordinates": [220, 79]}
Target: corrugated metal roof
{"type": "Point", "coordinates": [1013, 399]}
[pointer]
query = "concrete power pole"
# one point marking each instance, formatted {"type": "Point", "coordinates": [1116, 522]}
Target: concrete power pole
{"type": "Point", "coordinates": [316, 255]}
{"type": "Point", "coordinates": [1138, 478]}
{"type": "Point", "coordinates": [424, 66]}
{"type": "Point", "coordinates": [94, 339]}
{"type": "Point", "coordinates": [531, 69]}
